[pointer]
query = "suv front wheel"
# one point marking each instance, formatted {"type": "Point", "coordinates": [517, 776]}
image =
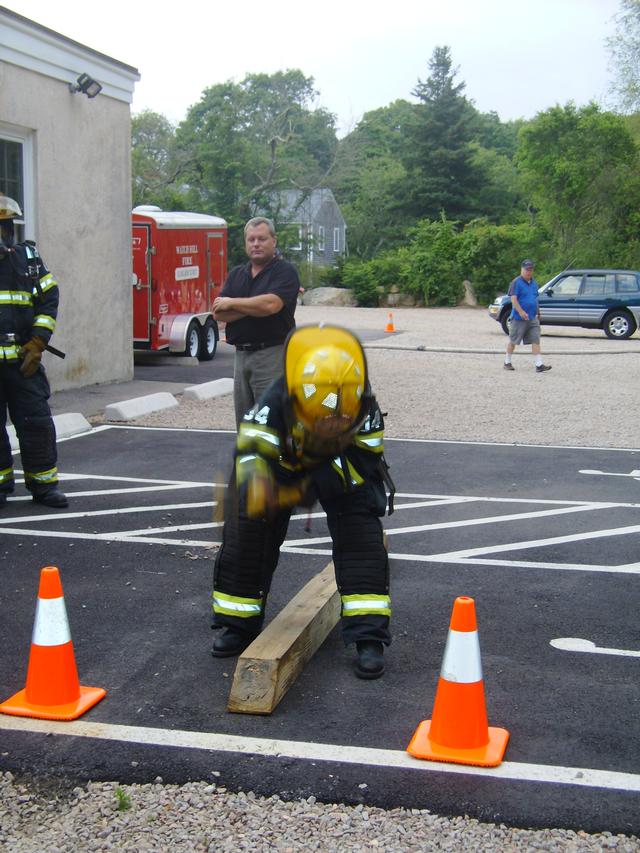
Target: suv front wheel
{"type": "Point", "coordinates": [504, 320]}
{"type": "Point", "coordinates": [619, 324]}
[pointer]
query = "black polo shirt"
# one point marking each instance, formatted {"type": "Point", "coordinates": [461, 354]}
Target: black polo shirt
{"type": "Point", "coordinates": [278, 277]}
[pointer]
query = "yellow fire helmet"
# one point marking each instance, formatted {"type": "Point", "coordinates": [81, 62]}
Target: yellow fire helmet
{"type": "Point", "coordinates": [9, 209]}
{"type": "Point", "coordinates": [326, 378]}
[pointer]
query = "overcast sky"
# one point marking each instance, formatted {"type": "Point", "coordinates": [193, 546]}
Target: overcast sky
{"type": "Point", "coordinates": [517, 57]}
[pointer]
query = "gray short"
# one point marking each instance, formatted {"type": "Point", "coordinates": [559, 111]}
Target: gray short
{"type": "Point", "coordinates": [524, 331]}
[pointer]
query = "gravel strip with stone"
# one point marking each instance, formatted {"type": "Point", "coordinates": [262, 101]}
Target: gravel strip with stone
{"type": "Point", "coordinates": [204, 817]}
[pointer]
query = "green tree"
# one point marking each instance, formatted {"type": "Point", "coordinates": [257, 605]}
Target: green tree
{"type": "Point", "coordinates": [246, 141]}
{"type": "Point", "coordinates": [156, 166]}
{"type": "Point", "coordinates": [442, 173]}
{"type": "Point", "coordinates": [369, 180]}
{"type": "Point", "coordinates": [575, 164]}
{"type": "Point", "coordinates": [624, 52]}
{"type": "Point", "coordinates": [500, 196]}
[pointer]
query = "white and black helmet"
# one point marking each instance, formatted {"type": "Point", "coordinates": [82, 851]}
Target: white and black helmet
{"type": "Point", "coordinates": [9, 209]}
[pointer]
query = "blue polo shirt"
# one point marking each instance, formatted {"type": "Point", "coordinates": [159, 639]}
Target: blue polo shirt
{"type": "Point", "coordinates": [527, 293]}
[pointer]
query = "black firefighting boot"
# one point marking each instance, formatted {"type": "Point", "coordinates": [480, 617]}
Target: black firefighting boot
{"type": "Point", "coordinates": [370, 660]}
{"type": "Point", "coordinates": [52, 497]}
{"type": "Point", "coordinates": [230, 643]}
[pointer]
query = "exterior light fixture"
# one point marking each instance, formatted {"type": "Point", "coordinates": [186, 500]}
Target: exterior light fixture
{"type": "Point", "coordinates": [87, 85]}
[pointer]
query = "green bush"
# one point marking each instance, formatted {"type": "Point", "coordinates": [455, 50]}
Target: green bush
{"type": "Point", "coordinates": [365, 278]}
{"type": "Point", "coordinates": [435, 269]}
{"type": "Point", "coordinates": [357, 276]}
{"type": "Point", "coordinates": [490, 255]}
{"type": "Point", "coordinates": [440, 255]}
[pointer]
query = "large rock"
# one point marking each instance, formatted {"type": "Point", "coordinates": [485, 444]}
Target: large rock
{"type": "Point", "coordinates": [328, 296]}
{"type": "Point", "coordinates": [469, 297]}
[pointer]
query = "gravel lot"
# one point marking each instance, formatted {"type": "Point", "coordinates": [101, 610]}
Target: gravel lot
{"type": "Point", "coordinates": [454, 387]}
{"type": "Point", "coordinates": [439, 376]}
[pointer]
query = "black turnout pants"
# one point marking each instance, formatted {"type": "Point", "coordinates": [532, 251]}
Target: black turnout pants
{"type": "Point", "coordinates": [250, 550]}
{"type": "Point", "coordinates": [26, 402]}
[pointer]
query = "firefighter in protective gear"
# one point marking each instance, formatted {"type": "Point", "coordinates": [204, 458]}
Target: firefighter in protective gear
{"type": "Point", "coordinates": [28, 310]}
{"type": "Point", "coordinates": [315, 435]}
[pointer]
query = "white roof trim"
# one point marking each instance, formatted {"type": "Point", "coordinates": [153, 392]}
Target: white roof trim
{"type": "Point", "coordinates": [29, 45]}
{"type": "Point", "coordinates": [177, 219]}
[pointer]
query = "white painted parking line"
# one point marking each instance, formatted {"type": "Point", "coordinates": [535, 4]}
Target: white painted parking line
{"type": "Point", "coordinates": [576, 644]}
{"type": "Point", "coordinates": [628, 569]}
{"type": "Point", "coordinates": [485, 555]}
{"type": "Point", "coordinates": [118, 479]}
{"type": "Point", "coordinates": [309, 751]}
{"type": "Point", "coordinates": [496, 519]}
{"type": "Point", "coordinates": [110, 537]}
{"type": "Point", "coordinates": [582, 536]}
{"type": "Point", "coordinates": [633, 474]}
{"type": "Point", "coordinates": [93, 513]}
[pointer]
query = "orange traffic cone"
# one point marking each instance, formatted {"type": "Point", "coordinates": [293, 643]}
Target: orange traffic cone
{"type": "Point", "coordinates": [458, 730]}
{"type": "Point", "coordinates": [390, 327]}
{"type": "Point", "coordinates": [53, 691]}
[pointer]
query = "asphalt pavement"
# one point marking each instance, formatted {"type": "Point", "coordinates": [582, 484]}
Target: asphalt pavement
{"type": "Point", "coordinates": [550, 560]}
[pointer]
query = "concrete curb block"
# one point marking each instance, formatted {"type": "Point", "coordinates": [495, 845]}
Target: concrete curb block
{"type": "Point", "coordinates": [72, 423]}
{"type": "Point", "coordinates": [129, 410]}
{"type": "Point", "coordinates": [206, 390]}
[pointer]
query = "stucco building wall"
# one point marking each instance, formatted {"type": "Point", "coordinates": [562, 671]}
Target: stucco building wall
{"type": "Point", "coordinates": [79, 207]}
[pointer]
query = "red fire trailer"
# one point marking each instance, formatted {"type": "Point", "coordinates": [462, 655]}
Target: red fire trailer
{"type": "Point", "coordinates": [179, 266]}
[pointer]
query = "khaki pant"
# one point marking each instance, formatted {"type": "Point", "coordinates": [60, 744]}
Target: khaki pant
{"type": "Point", "coordinates": [253, 372]}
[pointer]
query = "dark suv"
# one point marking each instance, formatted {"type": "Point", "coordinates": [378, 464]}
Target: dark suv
{"type": "Point", "coordinates": [594, 299]}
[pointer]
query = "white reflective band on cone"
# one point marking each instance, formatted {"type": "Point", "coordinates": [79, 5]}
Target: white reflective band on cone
{"type": "Point", "coordinates": [51, 627]}
{"type": "Point", "coordinates": [461, 662]}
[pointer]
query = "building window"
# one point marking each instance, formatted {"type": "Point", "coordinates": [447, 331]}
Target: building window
{"type": "Point", "coordinates": [16, 173]}
{"type": "Point", "coordinates": [321, 238]}
{"type": "Point", "coordinates": [336, 239]}
{"type": "Point", "coordinates": [297, 247]}
{"type": "Point", "coordinates": [11, 171]}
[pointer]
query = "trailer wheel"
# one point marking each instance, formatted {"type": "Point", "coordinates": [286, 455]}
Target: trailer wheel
{"type": "Point", "coordinates": [208, 340]}
{"type": "Point", "coordinates": [192, 345]}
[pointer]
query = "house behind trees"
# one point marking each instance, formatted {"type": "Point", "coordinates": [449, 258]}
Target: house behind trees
{"type": "Point", "coordinates": [321, 227]}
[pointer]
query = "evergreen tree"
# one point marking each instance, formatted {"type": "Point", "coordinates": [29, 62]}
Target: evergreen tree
{"type": "Point", "coordinates": [443, 175]}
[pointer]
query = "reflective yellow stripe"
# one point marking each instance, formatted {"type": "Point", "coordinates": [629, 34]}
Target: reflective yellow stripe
{"type": "Point", "coordinates": [373, 442]}
{"type": "Point", "coordinates": [10, 353]}
{"type": "Point", "coordinates": [45, 322]}
{"type": "Point", "coordinates": [248, 466]}
{"type": "Point", "coordinates": [366, 605]}
{"type": "Point", "coordinates": [46, 283]}
{"type": "Point", "coordinates": [15, 297]}
{"type": "Point", "coordinates": [50, 476]}
{"type": "Point", "coordinates": [266, 441]}
{"type": "Point", "coordinates": [356, 479]}
{"type": "Point", "coordinates": [233, 605]}
{"type": "Point", "coordinates": [6, 475]}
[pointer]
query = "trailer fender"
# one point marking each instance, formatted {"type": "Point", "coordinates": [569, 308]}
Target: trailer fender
{"type": "Point", "coordinates": [180, 325]}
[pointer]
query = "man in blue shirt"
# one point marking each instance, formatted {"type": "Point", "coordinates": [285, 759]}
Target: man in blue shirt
{"type": "Point", "coordinates": [524, 322]}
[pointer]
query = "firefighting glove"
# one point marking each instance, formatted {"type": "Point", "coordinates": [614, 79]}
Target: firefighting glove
{"type": "Point", "coordinates": [266, 497]}
{"type": "Point", "coordinates": [32, 356]}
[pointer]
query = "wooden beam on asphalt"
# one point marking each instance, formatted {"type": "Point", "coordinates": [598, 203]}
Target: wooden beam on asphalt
{"type": "Point", "coordinates": [270, 665]}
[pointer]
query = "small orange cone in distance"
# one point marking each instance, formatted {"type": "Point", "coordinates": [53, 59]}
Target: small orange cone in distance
{"type": "Point", "coordinates": [458, 731]}
{"type": "Point", "coordinates": [52, 691]}
{"type": "Point", "coordinates": [390, 327]}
